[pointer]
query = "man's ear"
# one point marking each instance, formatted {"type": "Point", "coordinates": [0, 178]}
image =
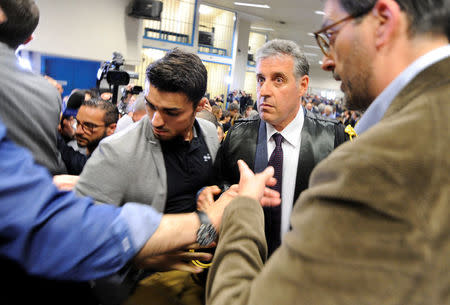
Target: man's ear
{"type": "Point", "coordinates": [201, 104]}
{"type": "Point", "coordinates": [28, 40]}
{"type": "Point", "coordinates": [111, 128]}
{"type": "Point", "coordinates": [387, 14]}
{"type": "Point", "coordinates": [303, 85]}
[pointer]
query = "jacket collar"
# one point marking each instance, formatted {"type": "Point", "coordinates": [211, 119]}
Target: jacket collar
{"type": "Point", "coordinates": [426, 80]}
{"type": "Point", "coordinates": [380, 105]}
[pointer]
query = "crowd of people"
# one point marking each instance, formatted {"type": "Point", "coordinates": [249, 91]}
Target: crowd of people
{"type": "Point", "coordinates": [169, 197]}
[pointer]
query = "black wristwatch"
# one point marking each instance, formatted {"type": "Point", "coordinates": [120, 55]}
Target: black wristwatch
{"type": "Point", "coordinates": [206, 234]}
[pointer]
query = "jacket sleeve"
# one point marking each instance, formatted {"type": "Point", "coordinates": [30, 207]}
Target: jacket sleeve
{"type": "Point", "coordinates": [103, 177]}
{"type": "Point", "coordinates": [349, 244]}
{"type": "Point", "coordinates": [73, 160]}
{"type": "Point", "coordinates": [57, 235]}
{"type": "Point", "coordinates": [239, 257]}
{"type": "Point", "coordinates": [335, 254]}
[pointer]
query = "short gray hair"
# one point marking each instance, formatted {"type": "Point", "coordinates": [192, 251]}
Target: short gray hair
{"type": "Point", "coordinates": [279, 47]}
{"type": "Point", "coordinates": [139, 103]}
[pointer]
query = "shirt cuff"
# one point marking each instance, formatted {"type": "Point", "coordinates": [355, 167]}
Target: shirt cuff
{"type": "Point", "coordinates": [142, 221]}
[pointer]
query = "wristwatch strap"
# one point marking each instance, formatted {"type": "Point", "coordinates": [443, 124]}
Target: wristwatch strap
{"type": "Point", "coordinates": [204, 219]}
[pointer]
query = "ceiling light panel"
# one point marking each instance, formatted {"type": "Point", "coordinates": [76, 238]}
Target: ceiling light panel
{"type": "Point", "coordinates": [252, 4]}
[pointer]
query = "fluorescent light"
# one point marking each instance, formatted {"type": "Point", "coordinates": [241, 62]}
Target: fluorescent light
{"type": "Point", "coordinates": [310, 54]}
{"type": "Point", "coordinates": [252, 5]}
{"type": "Point", "coordinates": [205, 10]}
{"type": "Point", "coordinates": [311, 46]}
{"type": "Point", "coordinates": [311, 34]}
{"type": "Point", "coordinates": [261, 28]}
{"type": "Point", "coordinates": [319, 12]}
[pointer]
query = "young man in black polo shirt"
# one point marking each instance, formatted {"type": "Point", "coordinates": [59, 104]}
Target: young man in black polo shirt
{"type": "Point", "coordinates": [162, 161]}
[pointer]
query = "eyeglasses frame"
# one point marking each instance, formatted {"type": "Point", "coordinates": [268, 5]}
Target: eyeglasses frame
{"type": "Point", "coordinates": [87, 129]}
{"type": "Point", "coordinates": [319, 38]}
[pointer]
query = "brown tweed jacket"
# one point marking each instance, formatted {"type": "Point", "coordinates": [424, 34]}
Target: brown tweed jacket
{"type": "Point", "coordinates": [373, 227]}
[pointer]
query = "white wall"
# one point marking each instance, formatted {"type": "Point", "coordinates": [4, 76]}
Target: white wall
{"type": "Point", "coordinates": [87, 29]}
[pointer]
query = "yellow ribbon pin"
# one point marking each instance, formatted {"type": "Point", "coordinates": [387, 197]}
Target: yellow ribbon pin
{"type": "Point", "coordinates": [351, 132]}
{"type": "Point", "coordinates": [199, 263]}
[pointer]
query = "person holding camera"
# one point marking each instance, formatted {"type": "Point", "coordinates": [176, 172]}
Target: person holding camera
{"type": "Point", "coordinates": [136, 112]}
{"type": "Point", "coordinates": [128, 97]}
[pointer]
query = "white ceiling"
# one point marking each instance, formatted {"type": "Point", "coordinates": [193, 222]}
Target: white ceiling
{"type": "Point", "coordinates": [289, 19]}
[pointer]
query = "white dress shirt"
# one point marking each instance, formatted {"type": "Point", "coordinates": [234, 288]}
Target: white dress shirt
{"type": "Point", "coordinates": [291, 150]}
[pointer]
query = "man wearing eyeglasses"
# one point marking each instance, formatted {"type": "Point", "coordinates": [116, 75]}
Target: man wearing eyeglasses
{"type": "Point", "coordinates": [96, 119]}
{"type": "Point", "coordinates": [373, 226]}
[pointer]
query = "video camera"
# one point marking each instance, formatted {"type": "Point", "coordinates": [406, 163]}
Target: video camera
{"type": "Point", "coordinates": [114, 75]}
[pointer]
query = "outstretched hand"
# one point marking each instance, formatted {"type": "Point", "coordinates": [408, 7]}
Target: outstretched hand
{"type": "Point", "coordinates": [254, 186]}
{"type": "Point", "coordinates": [206, 197]}
{"type": "Point", "coordinates": [250, 185]}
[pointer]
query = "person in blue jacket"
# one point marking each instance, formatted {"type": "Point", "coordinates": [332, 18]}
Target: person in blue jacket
{"type": "Point", "coordinates": [50, 238]}
{"type": "Point", "coordinates": [58, 235]}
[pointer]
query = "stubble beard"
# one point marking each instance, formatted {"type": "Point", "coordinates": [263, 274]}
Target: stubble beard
{"type": "Point", "coordinates": [91, 146]}
{"type": "Point", "coordinates": [356, 84]}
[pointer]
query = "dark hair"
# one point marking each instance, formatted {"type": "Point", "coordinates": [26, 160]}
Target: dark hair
{"type": "Point", "coordinates": [112, 113]}
{"type": "Point", "coordinates": [93, 92]}
{"type": "Point", "coordinates": [75, 99]}
{"type": "Point", "coordinates": [179, 71]}
{"type": "Point", "coordinates": [425, 16]}
{"type": "Point", "coordinates": [22, 19]}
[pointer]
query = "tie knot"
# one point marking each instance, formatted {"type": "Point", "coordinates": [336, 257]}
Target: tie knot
{"type": "Point", "coordinates": [278, 138]}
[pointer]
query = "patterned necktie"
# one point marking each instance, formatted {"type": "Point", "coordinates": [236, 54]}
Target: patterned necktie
{"type": "Point", "coordinates": [273, 214]}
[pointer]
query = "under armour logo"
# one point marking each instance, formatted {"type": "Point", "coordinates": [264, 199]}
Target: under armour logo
{"type": "Point", "coordinates": [206, 157]}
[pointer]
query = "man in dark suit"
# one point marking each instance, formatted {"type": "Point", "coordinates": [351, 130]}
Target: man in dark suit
{"type": "Point", "coordinates": [282, 79]}
{"type": "Point", "coordinates": [373, 226]}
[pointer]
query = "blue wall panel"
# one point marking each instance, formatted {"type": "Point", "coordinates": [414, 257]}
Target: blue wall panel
{"type": "Point", "coordinates": [79, 74]}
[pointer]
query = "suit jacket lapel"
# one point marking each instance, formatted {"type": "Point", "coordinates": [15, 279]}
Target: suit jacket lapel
{"type": "Point", "coordinates": [261, 161]}
{"type": "Point", "coordinates": [261, 148]}
{"type": "Point", "coordinates": [306, 158]}
{"type": "Point", "coordinates": [432, 76]}
{"type": "Point", "coordinates": [159, 201]}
